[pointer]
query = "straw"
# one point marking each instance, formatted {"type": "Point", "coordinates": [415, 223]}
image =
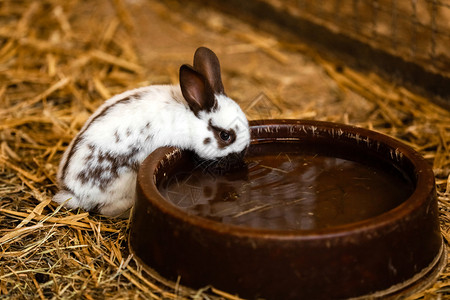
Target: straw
{"type": "Point", "coordinates": [58, 63]}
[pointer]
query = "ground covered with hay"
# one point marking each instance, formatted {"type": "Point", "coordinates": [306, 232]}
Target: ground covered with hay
{"type": "Point", "coordinates": [59, 60]}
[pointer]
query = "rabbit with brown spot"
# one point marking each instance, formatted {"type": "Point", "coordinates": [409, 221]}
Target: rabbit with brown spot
{"type": "Point", "coordinates": [99, 168]}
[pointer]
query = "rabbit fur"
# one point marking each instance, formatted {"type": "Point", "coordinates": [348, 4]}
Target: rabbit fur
{"type": "Point", "coordinates": [99, 168]}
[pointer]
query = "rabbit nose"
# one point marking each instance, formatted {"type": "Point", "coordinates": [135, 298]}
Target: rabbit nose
{"type": "Point", "coordinates": [228, 164]}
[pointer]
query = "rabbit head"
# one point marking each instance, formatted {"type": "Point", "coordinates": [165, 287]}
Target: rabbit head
{"type": "Point", "coordinates": [224, 129]}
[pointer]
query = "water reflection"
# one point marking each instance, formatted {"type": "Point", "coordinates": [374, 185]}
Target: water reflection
{"type": "Point", "coordinates": [290, 192]}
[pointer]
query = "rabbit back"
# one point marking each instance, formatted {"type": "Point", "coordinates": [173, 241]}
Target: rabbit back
{"type": "Point", "coordinates": [101, 162]}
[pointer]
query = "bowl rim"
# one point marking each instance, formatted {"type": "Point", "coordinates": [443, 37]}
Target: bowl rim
{"type": "Point", "coordinates": [424, 188]}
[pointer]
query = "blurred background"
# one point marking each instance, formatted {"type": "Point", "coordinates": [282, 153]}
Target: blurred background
{"type": "Point", "coordinates": [382, 65]}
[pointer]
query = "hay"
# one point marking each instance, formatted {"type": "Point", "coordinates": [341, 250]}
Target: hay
{"type": "Point", "coordinates": [58, 63]}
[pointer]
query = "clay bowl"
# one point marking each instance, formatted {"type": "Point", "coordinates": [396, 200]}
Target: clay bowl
{"type": "Point", "coordinates": [385, 241]}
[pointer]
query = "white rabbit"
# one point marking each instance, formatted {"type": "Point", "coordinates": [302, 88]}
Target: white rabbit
{"type": "Point", "coordinates": [99, 168]}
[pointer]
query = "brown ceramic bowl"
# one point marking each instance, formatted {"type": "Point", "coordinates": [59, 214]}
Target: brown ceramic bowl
{"type": "Point", "coordinates": [394, 252]}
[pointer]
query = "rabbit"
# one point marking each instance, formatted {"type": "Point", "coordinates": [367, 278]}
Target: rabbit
{"type": "Point", "coordinates": [99, 168]}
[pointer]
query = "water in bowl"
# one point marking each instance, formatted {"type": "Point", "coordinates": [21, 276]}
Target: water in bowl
{"type": "Point", "coordinates": [284, 187]}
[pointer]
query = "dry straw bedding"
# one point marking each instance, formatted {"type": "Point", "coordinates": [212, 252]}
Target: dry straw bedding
{"type": "Point", "coordinates": [54, 72]}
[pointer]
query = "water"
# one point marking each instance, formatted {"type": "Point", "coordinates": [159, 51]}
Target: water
{"type": "Point", "coordinates": [291, 190]}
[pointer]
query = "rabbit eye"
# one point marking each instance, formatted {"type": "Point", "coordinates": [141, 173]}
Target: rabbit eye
{"type": "Point", "coordinates": [225, 136]}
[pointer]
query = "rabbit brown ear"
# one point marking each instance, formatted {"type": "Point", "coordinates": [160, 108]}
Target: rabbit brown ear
{"type": "Point", "coordinates": [207, 63]}
{"type": "Point", "coordinates": [195, 89]}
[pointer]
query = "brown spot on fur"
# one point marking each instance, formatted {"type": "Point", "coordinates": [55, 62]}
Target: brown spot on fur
{"type": "Point", "coordinates": [206, 141]}
{"type": "Point", "coordinates": [135, 166]}
{"type": "Point", "coordinates": [102, 175]}
{"type": "Point", "coordinates": [117, 136]}
{"type": "Point", "coordinates": [145, 129]}
{"type": "Point", "coordinates": [79, 138]}
{"type": "Point", "coordinates": [148, 138]}
{"type": "Point", "coordinates": [217, 130]}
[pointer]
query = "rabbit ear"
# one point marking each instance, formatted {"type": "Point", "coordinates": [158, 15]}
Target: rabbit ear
{"type": "Point", "coordinates": [207, 63]}
{"type": "Point", "coordinates": [196, 90]}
